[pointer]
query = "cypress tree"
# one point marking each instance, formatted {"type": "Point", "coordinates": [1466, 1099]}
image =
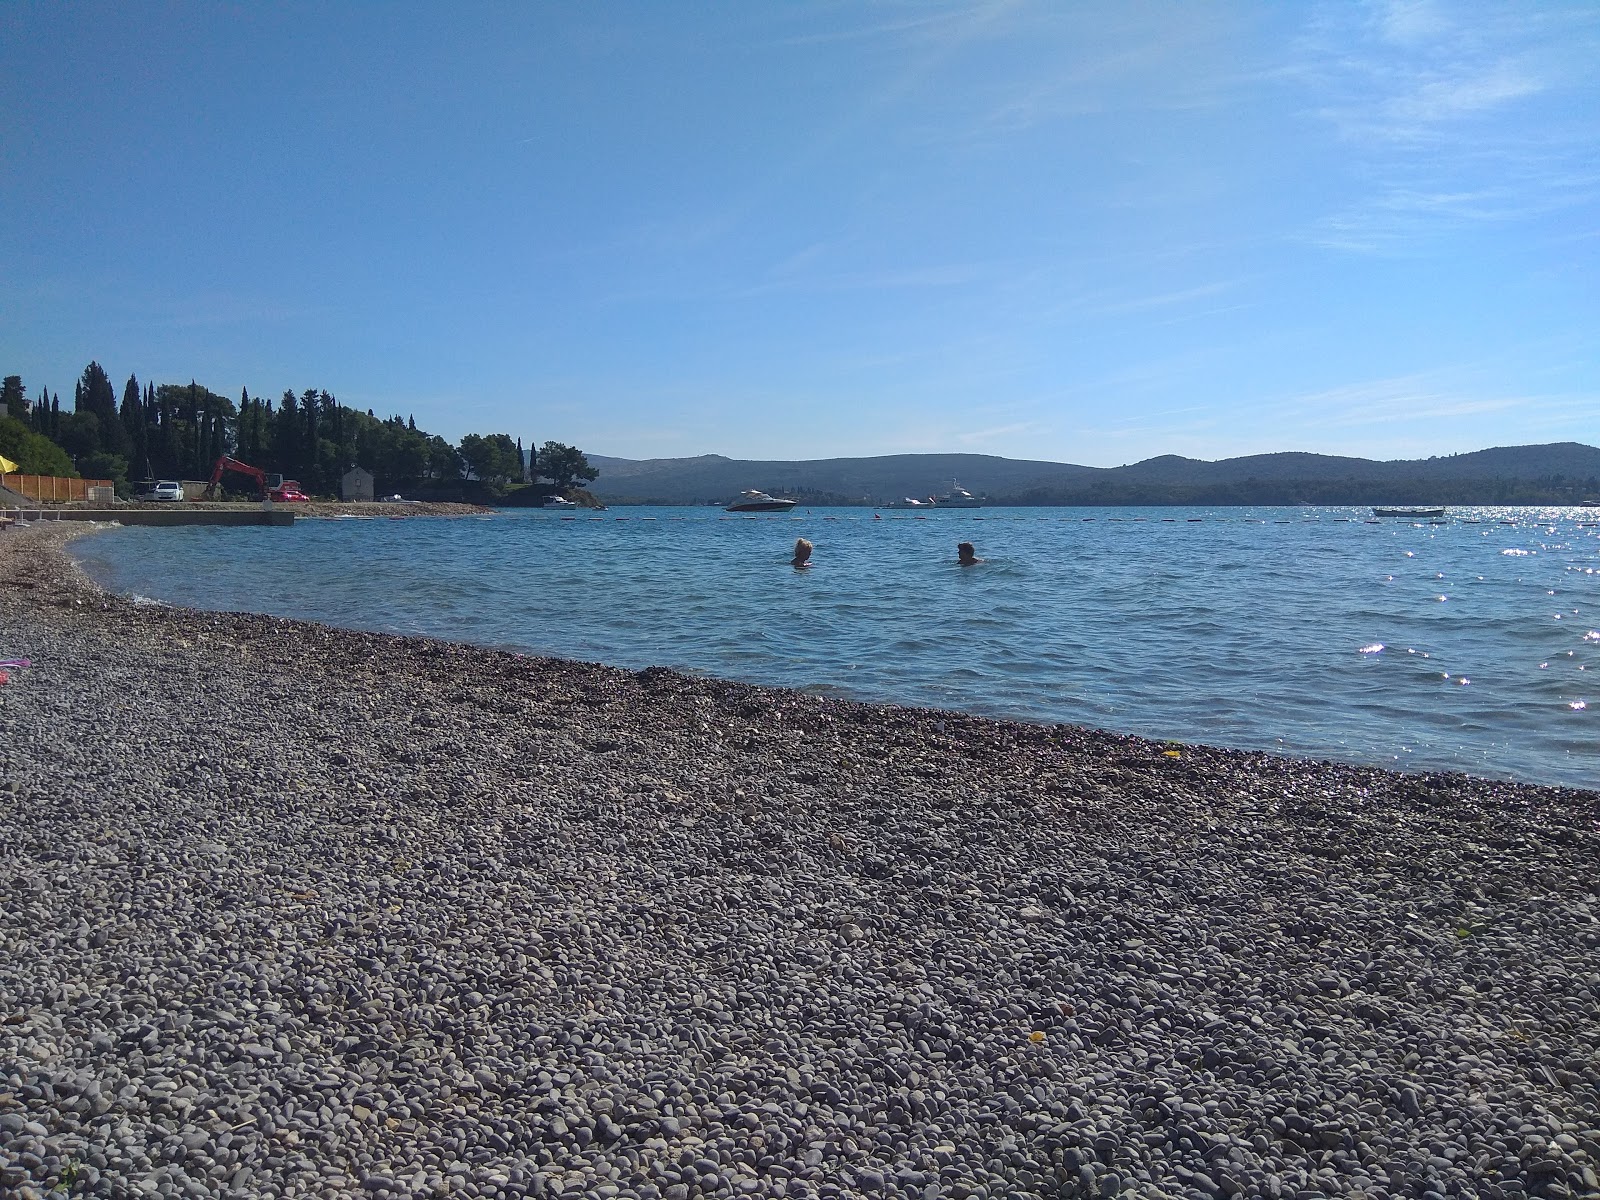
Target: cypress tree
{"type": "Point", "coordinates": [133, 426]}
{"type": "Point", "coordinates": [241, 440]}
{"type": "Point", "coordinates": [191, 435]}
{"type": "Point", "coordinates": [215, 449]}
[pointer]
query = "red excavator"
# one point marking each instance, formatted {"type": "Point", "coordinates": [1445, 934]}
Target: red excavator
{"type": "Point", "coordinates": [269, 487]}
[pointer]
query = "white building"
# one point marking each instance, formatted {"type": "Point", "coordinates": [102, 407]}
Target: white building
{"type": "Point", "coordinates": [356, 484]}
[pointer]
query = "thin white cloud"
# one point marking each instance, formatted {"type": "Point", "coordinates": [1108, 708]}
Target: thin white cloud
{"type": "Point", "coordinates": [1452, 118]}
{"type": "Point", "coordinates": [920, 24]}
{"type": "Point", "coordinates": [1448, 98]}
{"type": "Point", "coordinates": [1379, 406]}
{"type": "Point", "coordinates": [1167, 299]}
{"type": "Point", "coordinates": [1410, 20]}
{"type": "Point", "coordinates": [978, 436]}
{"type": "Point", "coordinates": [932, 275]}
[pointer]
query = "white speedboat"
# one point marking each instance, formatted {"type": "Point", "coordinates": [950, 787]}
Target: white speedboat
{"type": "Point", "coordinates": [754, 501]}
{"type": "Point", "coordinates": [558, 502]}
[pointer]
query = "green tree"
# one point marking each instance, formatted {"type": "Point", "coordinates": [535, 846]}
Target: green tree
{"type": "Point", "coordinates": [14, 398]}
{"type": "Point", "coordinates": [493, 459]}
{"type": "Point", "coordinates": [33, 453]}
{"type": "Point", "coordinates": [101, 465]}
{"type": "Point", "coordinates": [444, 460]}
{"type": "Point", "coordinates": [80, 434]}
{"type": "Point", "coordinates": [565, 465]}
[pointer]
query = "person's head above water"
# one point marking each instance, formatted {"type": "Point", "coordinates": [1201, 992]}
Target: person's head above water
{"type": "Point", "coordinates": [967, 555]}
{"type": "Point", "coordinates": [802, 553]}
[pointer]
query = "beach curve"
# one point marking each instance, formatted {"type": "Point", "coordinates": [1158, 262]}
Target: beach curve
{"type": "Point", "coordinates": [301, 911]}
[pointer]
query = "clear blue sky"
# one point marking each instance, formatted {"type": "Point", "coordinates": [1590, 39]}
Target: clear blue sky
{"type": "Point", "coordinates": [1083, 232]}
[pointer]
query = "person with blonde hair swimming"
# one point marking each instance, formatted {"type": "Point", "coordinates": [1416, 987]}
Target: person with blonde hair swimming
{"type": "Point", "coordinates": [802, 554]}
{"type": "Point", "coordinates": [967, 555]}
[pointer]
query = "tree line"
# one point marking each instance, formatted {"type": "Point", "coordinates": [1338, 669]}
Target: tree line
{"type": "Point", "coordinates": [178, 431]}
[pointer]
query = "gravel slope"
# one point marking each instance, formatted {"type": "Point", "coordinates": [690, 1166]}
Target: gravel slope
{"type": "Point", "coordinates": [290, 911]}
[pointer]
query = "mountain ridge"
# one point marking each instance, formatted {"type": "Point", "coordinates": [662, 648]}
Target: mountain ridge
{"type": "Point", "coordinates": [1557, 472]}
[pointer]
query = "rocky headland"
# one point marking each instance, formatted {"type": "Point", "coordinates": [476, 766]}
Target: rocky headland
{"type": "Point", "coordinates": [293, 911]}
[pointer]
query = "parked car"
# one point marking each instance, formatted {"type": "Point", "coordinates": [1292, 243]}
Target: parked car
{"type": "Point", "coordinates": [289, 493]}
{"type": "Point", "coordinates": [167, 489]}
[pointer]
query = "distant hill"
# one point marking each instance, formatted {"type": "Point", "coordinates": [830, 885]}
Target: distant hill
{"type": "Point", "coordinates": [713, 478]}
{"type": "Point", "coordinates": [1559, 473]}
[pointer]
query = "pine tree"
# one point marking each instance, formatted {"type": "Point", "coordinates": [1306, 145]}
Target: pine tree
{"type": "Point", "coordinates": [94, 394]}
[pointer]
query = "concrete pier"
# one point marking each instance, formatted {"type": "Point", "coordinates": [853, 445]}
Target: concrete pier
{"type": "Point", "coordinates": [175, 515]}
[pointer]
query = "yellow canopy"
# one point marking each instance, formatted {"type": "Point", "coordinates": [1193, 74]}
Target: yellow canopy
{"type": "Point", "coordinates": [6, 465]}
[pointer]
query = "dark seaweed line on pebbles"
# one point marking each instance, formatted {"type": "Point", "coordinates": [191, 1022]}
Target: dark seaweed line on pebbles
{"type": "Point", "coordinates": [290, 911]}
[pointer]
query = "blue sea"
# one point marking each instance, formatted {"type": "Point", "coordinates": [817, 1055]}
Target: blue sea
{"type": "Point", "coordinates": [1472, 644]}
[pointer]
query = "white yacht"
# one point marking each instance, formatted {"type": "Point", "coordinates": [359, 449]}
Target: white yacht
{"type": "Point", "coordinates": [958, 497]}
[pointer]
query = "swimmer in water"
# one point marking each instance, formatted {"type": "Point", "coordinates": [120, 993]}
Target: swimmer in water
{"type": "Point", "coordinates": [966, 555]}
{"type": "Point", "coordinates": [802, 554]}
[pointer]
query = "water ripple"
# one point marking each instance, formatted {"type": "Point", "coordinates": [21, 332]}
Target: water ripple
{"type": "Point", "coordinates": [1316, 633]}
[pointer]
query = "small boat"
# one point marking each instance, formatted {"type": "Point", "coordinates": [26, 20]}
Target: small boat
{"type": "Point", "coordinates": [558, 502]}
{"type": "Point", "coordinates": [1408, 512]}
{"type": "Point", "coordinates": [958, 497]}
{"type": "Point", "coordinates": [754, 501]}
{"type": "Point", "coordinates": [908, 502]}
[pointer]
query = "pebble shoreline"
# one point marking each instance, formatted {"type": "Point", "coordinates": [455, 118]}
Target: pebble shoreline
{"type": "Point", "coordinates": [293, 911]}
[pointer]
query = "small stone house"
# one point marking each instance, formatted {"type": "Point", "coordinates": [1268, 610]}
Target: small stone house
{"type": "Point", "coordinates": [356, 484]}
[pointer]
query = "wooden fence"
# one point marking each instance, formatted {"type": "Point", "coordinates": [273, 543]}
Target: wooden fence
{"type": "Point", "coordinates": [45, 488]}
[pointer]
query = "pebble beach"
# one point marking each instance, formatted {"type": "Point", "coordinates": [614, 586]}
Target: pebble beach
{"type": "Point", "coordinates": [293, 911]}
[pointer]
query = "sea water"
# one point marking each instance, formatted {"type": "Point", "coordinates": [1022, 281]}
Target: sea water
{"type": "Point", "coordinates": [1469, 644]}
